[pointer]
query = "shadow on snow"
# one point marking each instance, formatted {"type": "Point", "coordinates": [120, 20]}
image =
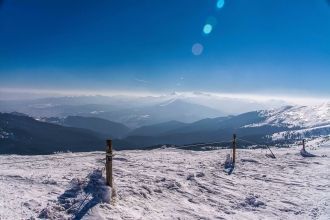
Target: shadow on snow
{"type": "Point", "coordinates": [81, 197]}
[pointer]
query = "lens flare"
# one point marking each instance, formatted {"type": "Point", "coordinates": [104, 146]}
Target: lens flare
{"type": "Point", "coordinates": [197, 49]}
{"type": "Point", "coordinates": [220, 3]}
{"type": "Point", "coordinates": [207, 29]}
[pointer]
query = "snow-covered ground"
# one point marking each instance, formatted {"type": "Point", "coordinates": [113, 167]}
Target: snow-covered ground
{"type": "Point", "coordinates": [167, 184]}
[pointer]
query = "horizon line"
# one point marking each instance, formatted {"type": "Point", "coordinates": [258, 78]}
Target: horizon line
{"type": "Point", "coordinates": [261, 96]}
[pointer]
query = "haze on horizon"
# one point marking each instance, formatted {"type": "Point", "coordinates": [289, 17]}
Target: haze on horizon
{"type": "Point", "coordinates": [249, 49]}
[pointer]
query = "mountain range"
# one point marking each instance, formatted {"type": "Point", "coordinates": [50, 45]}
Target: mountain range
{"type": "Point", "coordinates": [20, 133]}
{"type": "Point", "coordinates": [125, 110]}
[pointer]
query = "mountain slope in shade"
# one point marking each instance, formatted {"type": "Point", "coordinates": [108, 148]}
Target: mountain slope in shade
{"type": "Point", "coordinates": [107, 128]}
{"type": "Point", "coordinates": [157, 129]}
{"type": "Point", "coordinates": [209, 130]}
{"type": "Point", "coordinates": [25, 135]}
{"type": "Point", "coordinates": [207, 124]}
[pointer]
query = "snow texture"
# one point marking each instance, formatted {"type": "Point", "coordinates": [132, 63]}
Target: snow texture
{"type": "Point", "coordinates": [167, 184]}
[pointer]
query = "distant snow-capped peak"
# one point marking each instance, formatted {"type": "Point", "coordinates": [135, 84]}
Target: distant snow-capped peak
{"type": "Point", "coordinates": [168, 102]}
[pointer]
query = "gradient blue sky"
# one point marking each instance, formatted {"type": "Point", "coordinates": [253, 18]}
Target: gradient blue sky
{"type": "Point", "coordinates": [256, 46]}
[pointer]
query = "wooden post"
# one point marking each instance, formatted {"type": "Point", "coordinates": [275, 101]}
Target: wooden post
{"type": "Point", "coordinates": [108, 165]}
{"type": "Point", "coordinates": [304, 144]}
{"type": "Point", "coordinates": [234, 148]}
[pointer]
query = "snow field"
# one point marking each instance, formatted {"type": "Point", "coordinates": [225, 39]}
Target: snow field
{"type": "Point", "coordinates": [167, 184]}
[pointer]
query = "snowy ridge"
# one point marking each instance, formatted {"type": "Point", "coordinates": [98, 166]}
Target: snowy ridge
{"type": "Point", "coordinates": [296, 116]}
{"type": "Point", "coordinates": [298, 121]}
{"type": "Point", "coordinates": [166, 184]}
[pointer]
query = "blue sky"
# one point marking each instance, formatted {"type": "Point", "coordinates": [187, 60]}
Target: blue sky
{"type": "Point", "coordinates": [254, 46]}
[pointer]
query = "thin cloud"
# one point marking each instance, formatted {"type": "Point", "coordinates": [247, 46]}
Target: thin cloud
{"type": "Point", "coordinates": [142, 81]}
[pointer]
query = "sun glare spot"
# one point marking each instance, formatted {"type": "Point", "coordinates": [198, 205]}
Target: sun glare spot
{"type": "Point", "coordinates": [220, 4]}
{"type": "Point", "coordinates": [197, 49]}
{"type": "Point", "coordinates": [207, 29]}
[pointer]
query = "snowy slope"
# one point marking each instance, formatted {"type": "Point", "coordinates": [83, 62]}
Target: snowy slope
{"type": "Point", "coordinates": [297, 121]}
{"type": "Point", "coordinates": [167, 184]}
{"type": "Point", "coordinates": [297, 116]}
{"type": "Point", "coordinates": [299, 134]}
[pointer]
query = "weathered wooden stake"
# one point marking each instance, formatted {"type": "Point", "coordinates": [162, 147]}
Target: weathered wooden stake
{"type": "Point", "coordinates": [304, 144]}
{"type": "Point", "coordinates": [108, 165]}
{"type": "Point", "coordinates": [234, 148]}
